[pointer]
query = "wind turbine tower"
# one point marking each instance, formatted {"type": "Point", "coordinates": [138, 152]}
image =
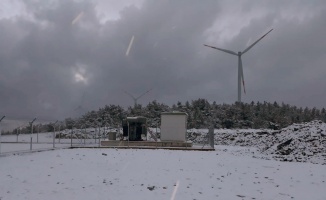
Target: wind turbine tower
{"type": "Point", "coordinates": [240, 69]}
{"type": "Point", "coordinates": [80, 108]}
{"type": "Point", "coordinates": [136, 98]}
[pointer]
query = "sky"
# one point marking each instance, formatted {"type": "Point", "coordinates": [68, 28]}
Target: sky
{"type": "Point", "coordinates": [56, 56]}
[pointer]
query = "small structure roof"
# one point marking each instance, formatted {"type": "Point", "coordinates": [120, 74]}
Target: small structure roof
{"type": "Point", "coordinates": [174, 113]}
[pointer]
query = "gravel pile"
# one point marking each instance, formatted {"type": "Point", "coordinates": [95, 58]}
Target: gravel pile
{"type": "Point", "coordinates": [304, 142]}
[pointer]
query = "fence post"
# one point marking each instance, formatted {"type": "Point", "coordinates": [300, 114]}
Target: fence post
{"type": "Point", "coordinates": [95, 135]}
{"type": "Point", "coordinates": [85, 136]}
{"type": "Point", "coordinates": [71, 137]}
{"type": "Point", "coordinates": [53, 137]}
{"type": "Point", "coordinates": [99, 136]}
{"type": "Point", "coordinates": [211, 136]}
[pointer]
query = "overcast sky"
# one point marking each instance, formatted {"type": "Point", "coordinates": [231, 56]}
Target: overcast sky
{"type": "Point", "coordinates": [56, 55]}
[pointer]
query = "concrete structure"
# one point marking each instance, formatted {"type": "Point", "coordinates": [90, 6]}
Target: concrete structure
{"type": "Point", "coordinates": [173, 126]}
{"type": "Point", "coordinates": [123, 143]}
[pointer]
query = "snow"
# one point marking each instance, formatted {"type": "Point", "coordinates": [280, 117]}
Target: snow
{"type": "Point", "coordinates": [227, 173]}
{"type": "Point", "coordinates": [246, 165]}
{"type": "Point", "coordinates": [25, 147]}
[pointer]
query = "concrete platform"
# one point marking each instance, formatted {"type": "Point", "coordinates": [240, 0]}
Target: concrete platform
{"type": "Point", "coordinates": [193, 148]}
{"type": "Point", "coordinates": [170, 145]}
{"type": "Point", "coordinates": [116, 143]}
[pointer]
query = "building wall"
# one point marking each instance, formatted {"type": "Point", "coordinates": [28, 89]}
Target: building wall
{"type": "Point", "coordinates": [173, 127]}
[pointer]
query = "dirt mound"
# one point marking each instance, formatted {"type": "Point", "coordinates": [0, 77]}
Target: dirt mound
{"type": "Point", "coordinates": [304, 142]}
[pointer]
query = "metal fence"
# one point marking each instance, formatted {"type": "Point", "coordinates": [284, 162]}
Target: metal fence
{"type": "Point", "coordinates": [202, 138]}
{"type": "Point", "coordinates": [90, 137]}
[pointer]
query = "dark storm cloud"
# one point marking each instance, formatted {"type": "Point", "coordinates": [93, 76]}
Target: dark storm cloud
{"type": "Point", "coordinates": [50, 66]}
{"type": "Point", "coordinates": [38, 67]}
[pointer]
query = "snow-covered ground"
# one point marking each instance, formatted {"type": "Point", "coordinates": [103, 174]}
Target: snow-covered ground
{"type": "Point", "coordinates": [25, 147]}
{"type": "Point", "coordinates": [227, 173]}
{"type": "Point", "coordinates": [246, 165]}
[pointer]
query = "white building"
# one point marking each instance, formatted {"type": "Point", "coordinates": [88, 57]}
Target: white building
{"type": "Point", "coordinates": [173, 126]}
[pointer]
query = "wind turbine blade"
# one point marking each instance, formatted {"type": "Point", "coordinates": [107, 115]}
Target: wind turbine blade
{"type": "Point", "coordinates": [144, 93]}
{"type": "Point", "coordinates": [244, 88]}
{"type": "Point", "coordinates": [242, 77]}
{"type": "Point", "coordinates": [225, 50]}
{"type": "Point", "coordinates": [79, 109]}
{"type": "Point", "coordinates": [130, 95]}
{"type": "Point", "coordinates": [253, 44]}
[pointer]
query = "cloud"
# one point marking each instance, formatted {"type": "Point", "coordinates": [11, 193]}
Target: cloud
{"type": "Point", "coordinates": [47, 63]}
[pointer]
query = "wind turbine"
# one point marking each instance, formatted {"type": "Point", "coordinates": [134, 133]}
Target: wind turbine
{"type": "Point", "coordinates": [80, 108]}
{"type": "Point", "coordinates": [240, 69]}
{"type": "Point", "coordinates": [136, 98]}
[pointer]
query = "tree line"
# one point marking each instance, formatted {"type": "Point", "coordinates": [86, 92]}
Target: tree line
{"type": "Point", "coordinates": [201, 114]}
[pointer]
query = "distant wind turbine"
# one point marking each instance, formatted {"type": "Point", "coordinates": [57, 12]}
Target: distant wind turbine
{"type": "Point", "coordinates": [80, 108]}
{"type": "Point", "coordinates": [240, 69]}
{"type": "Point", "coordinates": [136, 98]}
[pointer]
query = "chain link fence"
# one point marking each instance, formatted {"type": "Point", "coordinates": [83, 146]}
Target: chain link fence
{"type": "Point", "coordinates": [90, 137]}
